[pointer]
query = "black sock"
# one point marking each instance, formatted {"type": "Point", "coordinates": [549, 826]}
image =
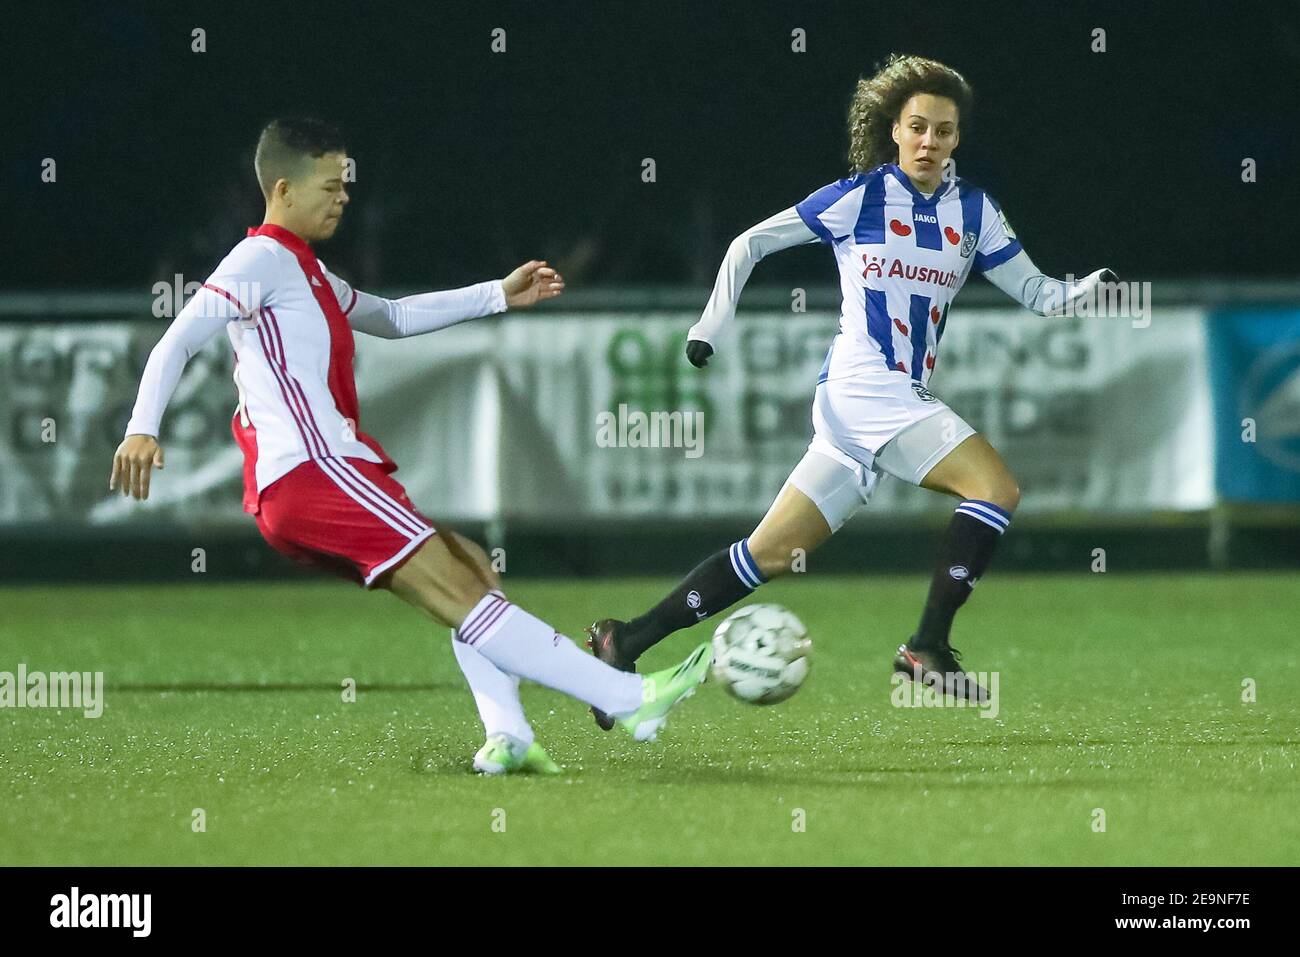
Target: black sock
{"type": "Point", "coordinates": [714, 585]}
{"type": "Point", "coordinates": [964, 555]}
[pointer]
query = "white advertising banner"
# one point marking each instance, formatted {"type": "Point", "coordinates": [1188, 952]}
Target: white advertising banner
{"type": "Point", "coordinates": [589, 416]}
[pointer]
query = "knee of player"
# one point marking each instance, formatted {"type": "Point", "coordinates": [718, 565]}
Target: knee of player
{"type": "Point", "coordinates": [995, 485]}
{"type": "Point", "coordinates": [1004, 493]}
{"type": "Point", "coordinates": [1013, 494]}
{"type": "Point", "coordinates": [454, 590]}
{"type": "Point", "coordinates": [464, 599]}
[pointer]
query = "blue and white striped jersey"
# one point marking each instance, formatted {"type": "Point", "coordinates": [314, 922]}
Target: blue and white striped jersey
{"type": "Point", "coordinates": [902, 258]}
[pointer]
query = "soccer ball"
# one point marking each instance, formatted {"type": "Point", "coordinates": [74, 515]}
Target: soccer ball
{"type": "Point", "coordinates": [761, 654]}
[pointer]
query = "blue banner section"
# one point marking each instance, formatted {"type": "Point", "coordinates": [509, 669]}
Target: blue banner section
{"type": "Point", "coordinates": [1255, 378]}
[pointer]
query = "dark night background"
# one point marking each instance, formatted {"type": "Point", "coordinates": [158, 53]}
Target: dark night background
{"type": "Point", "coordinates": [470, 162]}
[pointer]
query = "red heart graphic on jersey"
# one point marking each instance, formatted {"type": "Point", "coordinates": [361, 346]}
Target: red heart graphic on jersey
{"type": "Point", "coordinates": [929, 362]}
{"type": "Point", "coordinates": [954, 237]}
{"type": "Point", "coordinates": [901, 328]}
{"type": "Point", "coordinates": [900, 367]}
{"type": "Point", "coordinates": [899, 229]}
{"type": "Point", "coordinates": [934, 315]}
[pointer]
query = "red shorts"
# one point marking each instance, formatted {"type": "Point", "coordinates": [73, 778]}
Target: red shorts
{"type": "Point", "coordinates": [346, 515]}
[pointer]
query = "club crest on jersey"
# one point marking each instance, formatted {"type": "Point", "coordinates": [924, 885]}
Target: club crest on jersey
{"type": "Point", "coordinates": [924, 394]}
{"type": "Point", "coordinates": [968, 244]}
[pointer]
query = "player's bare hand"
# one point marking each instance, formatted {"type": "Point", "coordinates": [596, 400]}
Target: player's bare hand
{"type": "Point", "coordinates": [531, 283]}
{"type": "Point", "coordinates": [132, 462]}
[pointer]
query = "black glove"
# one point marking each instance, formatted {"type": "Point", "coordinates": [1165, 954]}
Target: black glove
{"type": "Point", "coordinates": [698, 352]}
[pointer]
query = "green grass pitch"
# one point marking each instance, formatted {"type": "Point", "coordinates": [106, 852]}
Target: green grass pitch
{"type": "Point", "coordinates": [1117, 692]}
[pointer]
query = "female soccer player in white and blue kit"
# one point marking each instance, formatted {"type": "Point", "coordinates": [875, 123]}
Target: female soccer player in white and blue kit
{"type": "Point", "coordinates": [905, 236]}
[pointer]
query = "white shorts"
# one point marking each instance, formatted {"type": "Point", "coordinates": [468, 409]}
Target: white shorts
{"type": "Point", "coordinates": [868, 425]}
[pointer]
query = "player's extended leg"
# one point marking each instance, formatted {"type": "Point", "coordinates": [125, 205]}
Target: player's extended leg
{"type": "Point", "coordinates": [439, 581]}
{"type": "Point", "coordinates": [820, 495]}
{"type": "Point", "coordinates": [510, 744]}
{"type": "Point", "coordinates": [791, 526]}
{"type": "Point", "coordinates": [496, 693]}
{"type": "Point", "coordinates": [975, 473]}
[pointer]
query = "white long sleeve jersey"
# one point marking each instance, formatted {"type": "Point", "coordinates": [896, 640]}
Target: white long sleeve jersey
{"type": "Point", "coordinates": [290, 321]}
{"type": "Point", "coordinates": [902, 258]}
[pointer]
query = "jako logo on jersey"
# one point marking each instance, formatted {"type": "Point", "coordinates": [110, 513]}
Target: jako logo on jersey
{"type": "Point", "coordinates": [693, 599]}
{"type": "Point", "coordinates": [900, 269]}
{"type": "Point", "coordinates": [922, 393]}
{"type": "Point", "coordinates": [959, 572]}
{"type": "Point", "coordinates": [925, 218]}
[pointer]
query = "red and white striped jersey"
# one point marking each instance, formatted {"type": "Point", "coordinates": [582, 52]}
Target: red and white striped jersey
{"type": "Point", "coordinates": [290, 321]}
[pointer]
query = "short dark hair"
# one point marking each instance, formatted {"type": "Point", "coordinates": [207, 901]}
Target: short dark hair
{"type": "Point", "coordinates": [878, 101]}
{"type": "Point", "coordinates": [286, 142]}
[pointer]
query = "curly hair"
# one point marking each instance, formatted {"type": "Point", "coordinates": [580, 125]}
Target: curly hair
{"type": "Point", "coordinates": [878, 101]}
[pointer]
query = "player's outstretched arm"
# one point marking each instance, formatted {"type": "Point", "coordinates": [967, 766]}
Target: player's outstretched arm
{"type": "Point", "coordinates": [1020, 279]}
{"type": "Point", "coordinates": [203, 317]}
{"type": "Point", "coordinates": [775, 233]}
{"type": "Point", "coordinates": [430, 311]}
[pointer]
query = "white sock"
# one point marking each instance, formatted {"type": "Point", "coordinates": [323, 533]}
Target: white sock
{"type": "Point", "coordinates": [495, 692]}
{"type": "Point", "coordinates": [520, 644]}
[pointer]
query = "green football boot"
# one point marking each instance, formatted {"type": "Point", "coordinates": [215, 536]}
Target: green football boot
{"type": "Point", "coordinates": [502, 754]}
{"type": "Point", "coordinates": [662, 690]}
